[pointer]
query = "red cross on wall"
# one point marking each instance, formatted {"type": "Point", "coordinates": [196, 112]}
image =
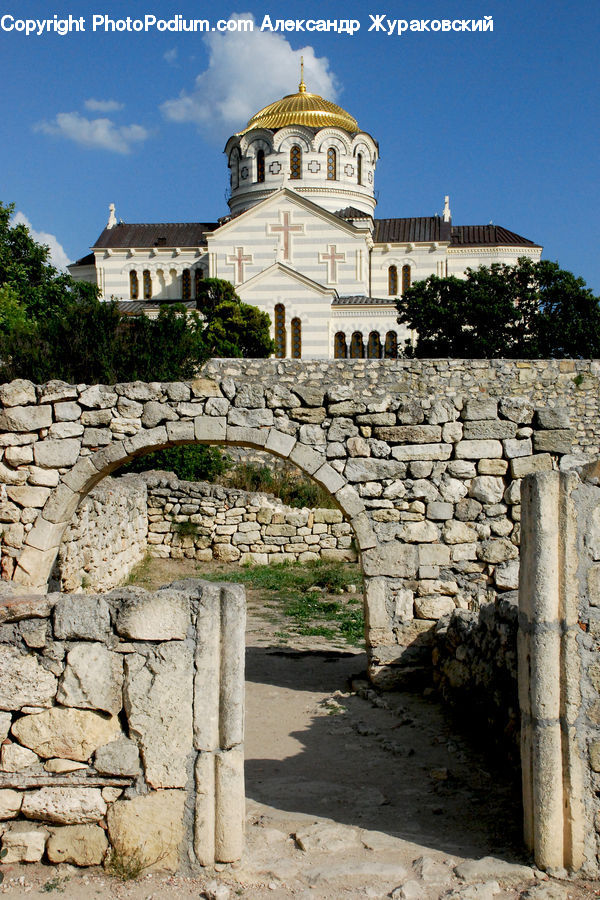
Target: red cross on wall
{"type": "Point", "coordinates": [286, 230]}
{"type": "Point", "coordinates": [332, 258]}
{"type": "Point", "coordinates": [238, 261]}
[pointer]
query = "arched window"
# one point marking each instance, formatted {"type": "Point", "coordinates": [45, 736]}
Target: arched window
{"type": "Point", "coordinates": [332, 164]}
{"type": "Point", "coordinates": [295, 162]}
{"type": "Point", "coordinates": [357, 347]}
{"type": "Point", "coordinates": [340, 348]}
{"type": "Point", "coordinates": [405, 278]}
{"type": "Point", "coordinates": [235, 169]}
{"type": "Point", "coordinates": [260, 165]}
{"type": "Point", "coordinates": [134, 287]}
{"type": "Point", "coordinates": [198, 276]}
{"type": "Point", "coordinates": [186, 285]}
{"type": "Point", "coordinates": [392, 281]}
{"type": "Point", "coordinates": [147, 285]}
{"type": "Point", "coordinates": [374, 346]}
{"type": "Point", "coordinates": [391, 345]}
{"type": "Point", "coordinates": [280, 331]}
{"type": "Point", "coordinates": [359, 168]}
{"type": "Point", "coordinates": [296, 338]}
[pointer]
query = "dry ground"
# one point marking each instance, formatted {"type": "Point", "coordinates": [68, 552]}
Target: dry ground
{"type": "Point", "coordinates": [350, 793]}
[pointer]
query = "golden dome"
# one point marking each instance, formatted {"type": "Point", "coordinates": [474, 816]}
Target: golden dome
{"type": "Point", "coordinates": [302, 108]}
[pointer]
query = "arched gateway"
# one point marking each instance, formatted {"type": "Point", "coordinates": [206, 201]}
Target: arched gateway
{"type": "Point", "coordinates": [424, 458]}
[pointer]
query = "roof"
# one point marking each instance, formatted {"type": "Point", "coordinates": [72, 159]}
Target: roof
{"type": "Point", "coordinates": [302, 108]}
{"type": "Point", "coordinates": [89, 260]}
{"type": "Point", "coordinates": [166, 234]}
{"type": "Point", "coordinates": [136, 307]}
{"type": "Point", "coordinates": [360, 300]}
{"type": "Point", "coordinates": [351, 212]}
{"type": "Point", "coordinates": [433, 228]}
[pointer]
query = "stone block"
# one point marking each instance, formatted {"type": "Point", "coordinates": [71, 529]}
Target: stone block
{"type": "Point", "coordinates": [160, 616]}
{"type": "Point", "coordinates": [410, 434]}
{"type": "Point", "coordinates": [14, 758]}
{"type": "Point", "coordinates": [64, 805]}
{"type": "Point", "coordinates": [211, 428]}
{"type": "Point", "coordinates": [393, 559]}
{"type": "Point", "coordinates": [80, 617]}
{"type": "Point", "coordinates": [120, 757]}
{"type": "Point", "coordinates": [100, 397]}
{"type": "Point", "coordinates": [26, 418]}
{"type": "Point", "coordinates": [478, 450]}
{"type": "Point", "coordinates": [24, 842]}
{"type": "Point", "coordinates": [181, 432]}
{"type": "Point", "coordinates": [92, 679]}
{"type": "Point", "coordinates": [496, 550]}
{"type": "Point", "coordinates": [328, 478]}
{"type": "Point", "coordinates": [23, 680]}
{"type": "Point", "coordinates": [24, 495]}
{"type": "Point", "coordinates": [433, 606]}
{"type": "Point", "coordinates": [593, 584]}
{"type": "Point", "coordinates": [506, 575]}
{"type": "Point", "coordinates": [280, 443]}
{"type": "Point", "coordinates": [480, 408]}
{"type": "Point", "coordinates": [10, 804]}
{"type": "Point", "coordinates": [439, 511]}
{"type": "Point", "coordinates": [96, 437]}
{"type": "Point", "coordinates": [18, 456]}
{"type": "Point", "coordinates": [515, 448]}
{"type": "Point", "coordinates": [365, 470]}
{"type": "Point", "coordinates": [492, 467]}
{"type": "Point", "coordinates": [17, 393]}
{"type": "Point", "coordinates": [459, 533]}
{"type": "Point", "coordinates": [63, 766]}
{"type": "Point", "coordinates": [158, 703]}
{"type": "Point", "coordinates": [489, 429]}
{"type": "Point", "coordinates": [552, 419]}
{"type": "Point", "coordinates": [434, 555]}
{"type": "Point", "coordinates": [517, 409]}
{"type": "Point", "coordinates": [358, 446]}
{"type": "Point", "coordinates": [525, 465]}
{"type": "Point", "coordinates": [452, 432]}
{"type": "Point", "coordinates": [487, 489]}
{"type": "Point", "coordinates": [65, 732]}
{"type": "Point", "coordinates": [409, 452]}
{"type": "Point", "coordinates": [150, 828]}
{"type": "Point", "coordinates": [419, 532]}
{"type": "Point", "coordinates": [250, 418]}
{"type": "Point", "coordinates": [554, 441]}
{"type": "Point", "coordinates": [77, 845]}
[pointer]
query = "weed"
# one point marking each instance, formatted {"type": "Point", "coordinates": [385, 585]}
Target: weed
{"type": "Point", "coordinates": [185, 529]}
{"type": "Point", "coordinates": [578, 380]}
{"type": "Point", "coordinates": [140, 572]}
{"type": "Point", "coordinates": [126, 866]}
{"type": "Point", "coordinates": [291, 486]}
{"type": "Point", "coordinates": [54, 884]}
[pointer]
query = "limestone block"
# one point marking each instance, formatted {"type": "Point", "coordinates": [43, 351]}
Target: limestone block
{"type": "Point", "coordinates": [419, 532]}
{"type": "Point", "coordinates": [160, 616]}
{"type": "Point", "coordinates": [5, 723]}
{"type": "Point", "coordinates": [10, 804]}
{"type": "Point", "coordinates": [80, 617]}
{"type": "Point", "coordinates": [461, 468]}
{"type": "Point", "coordinates": [410, 434]}
{"type": "Point", "coordinates": [422, 451]}
{"type": "Point", "coordinates": [506, 575]}
{"type": "Point", "coordinates": [158, 703]}
{"type": "Point", "coordinates": [559, 440]}
{"type": "Point", "coordinates": [26, 418]}
{"type": "Point", "coordinates": [250, 418]}
{"type": "Point", "coordinates": [129, 409]}
{"type": "Point", "coordinates": [216, 406]}
{"type": "Point", "coordinates": [25, 495]}
{"type": "Point", "coordinates": [17, 393]}
{"type": "Point", "coordinates": [96, 437]}
{"type": "Point", "coordinates": [517, 409]}
{"type": "Point", "coordinates": [478, 450]}
{"type": "Point", "coordinates": [30, 606]}
{"type": "Point", "coordinates": [63, 766]}
{"type": "Point", "coordinates": [521, 466]}
{"type": "Point", "coordinates": [411, 413]}
{"type": "Point", "coordinates": [230, 805]}
{"type": "Point", "coordinates": [23, 842]}
{"type": "Point", "coordinates": [452, 432]}
{"type": "Point", "coordinates": [280, 443]}
{"type": "Point", "coordinates": [394, 559]}
{"type": "Point", "coordinates": [150, 828]}
{"type": "Point", "coordinates": [23, 680]}
{"type": "Point", "coordinates": [557, 418]}
{"type": "Point", "coordinates": [439, 511]}
{"type": "Point", "coordinates": [341, 429]}
{"type": "Point", "coordinates": [79, 845]}
{"type": "Point", "coordinates": [515, 448]}
{"type": "Point", "coordinates": [98, 397]}
{"type": "Point", "coordinates": [487, 489]}
{"type": "Point", "coordinates": [496, 550]}
{"type": "Point", "coordinates": [155, 413]}
{"type": "Point", "coordinates": [492, 467]}
{"type": "Point", "coordinates": [64, 805]}
{"type": "Point", "coordinates": [97, 417]}
{"type": "Point", "coordinates": [331, 480]}
{"type": "Point", "coordinates": [92, 679]}
{"type": "Point", "coordinates": [365, 470]}
{"type": "Point", "coordinates": [60, 431]}
{"type": "Point", "coordinates": [486, 429]}
{"type": "Point", "coordinates": [434, 555]}
{"type": "Point", "coordinates": [181, 432]}
{"type": "Point", "coordinates": [433, 606]}
{"type": "Point", "coordinates": [67, 411]}
{"type": "Point", "coordinates": [13, 758]}
{"type": "Point", "coordinates": [18, 456]}
{"type": "Point", "coordinates": [483, 408]}
{"type": "Point", "coordinates": [458, 533]}
{"type": "Point", "coordinates": [66, 732]}
{"type": "Point", "coordinates": [452, 490]}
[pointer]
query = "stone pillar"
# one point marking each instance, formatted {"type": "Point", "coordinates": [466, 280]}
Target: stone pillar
{"type": "Point", "coordinates": [549, 675]}
{"type": "Point", "coordinates": [219, 724]}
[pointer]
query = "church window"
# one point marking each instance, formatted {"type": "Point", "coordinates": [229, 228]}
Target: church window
{"type": "Point", "coordinates": [374, 346]}
{"type": "Point", "coordinates": [359, 168]}
{"type": "Point", "coordinates": [147, 285]}
{"type": "Point", "coordinates": [391, 345]}
{"type": "Point", "coordinates": [296, 338]}
{"type": "Point", "coordinates": [235, 170]}
{"type": "Point", "coordinates": [340, 348]}
{"type": "Point", "coordinates": [295, 162]}
{"type": "Point", "coordinates": [331, 164]}
{"type": "Point", "coordinates": [280, 331]}
{"type": "Point", "coordinates": [186, 285]}
{"type": "Point", "coordinates": [134, 287]}
{"type": "Point", "coordinates": [405, 278]}
{"type": "Point", "coordinates": [357, 347]}
{"type": "Point", "coordinates": [260, 165]}
{"type": "Point", "coordinates": [198, 276]}
{"type": "Point", "coordinates": [392, 281]}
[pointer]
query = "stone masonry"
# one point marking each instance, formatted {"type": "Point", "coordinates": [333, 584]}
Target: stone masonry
{"type": "Point", "coordinates": [121, 726]}
{"type": "Point", "coordinates": [423, 458]}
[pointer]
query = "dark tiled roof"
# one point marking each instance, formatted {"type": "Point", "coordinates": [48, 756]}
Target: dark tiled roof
{"type": "Point", "coordinates": [351, 212]}
{"type": "Point", "coordinates": [487, 236]}
{"type": "Point", "coordinates": [433, 228]}
{"type": "Point", "coordinates": [89, 260]}
{"type": "Point", "coordinates": [359, 300]}
{"type": "Point", "coordinates": [135, 307]}
{"type": "Point", "coordinates": [168, 234]}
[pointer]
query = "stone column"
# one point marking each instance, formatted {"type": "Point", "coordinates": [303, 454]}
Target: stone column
{"type": "Point", "coordinates": [219, 724]}
{"type": "Point", "coordinates": [549, 672]}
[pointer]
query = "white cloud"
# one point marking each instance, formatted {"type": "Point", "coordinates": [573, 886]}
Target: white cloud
{"type": "Point", "coordinates": [246, 71]}
{"type": "Point", "coordinates": [100, 134]}
{"type": "Point", "coordinates": [104, 106]}
{"type": "Point", "coordinates": [58, 257]}
{"type": "Point", "coordinates": [171, 56]}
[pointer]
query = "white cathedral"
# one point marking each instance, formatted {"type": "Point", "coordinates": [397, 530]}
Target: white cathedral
{"type": "Point", "coordinates": [301, 240]}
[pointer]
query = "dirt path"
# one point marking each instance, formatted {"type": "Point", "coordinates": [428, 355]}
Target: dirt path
{"type": "Point", "coordinates": [351, 794]}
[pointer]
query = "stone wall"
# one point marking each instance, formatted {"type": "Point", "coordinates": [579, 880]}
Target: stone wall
{"type": "Point", "coordinates": [207, 521]}
{"type": "Point", "coordinates": [106, 538]}
{"type": "Point", "coordinates": [121, 726]}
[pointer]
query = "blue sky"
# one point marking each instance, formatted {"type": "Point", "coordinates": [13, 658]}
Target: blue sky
{"type": "Point", "coordinates": [505, 122]}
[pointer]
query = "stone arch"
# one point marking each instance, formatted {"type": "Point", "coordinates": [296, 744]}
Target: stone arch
{"type": "Point", "coordinates": [284, 139]}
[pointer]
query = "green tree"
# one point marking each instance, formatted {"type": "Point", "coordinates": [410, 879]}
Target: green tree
{"type": "Point", "coordinates": [529, 310]}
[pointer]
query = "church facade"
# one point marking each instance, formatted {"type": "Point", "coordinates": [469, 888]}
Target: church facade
{"type": "Point", "coordinates": [301, 240]}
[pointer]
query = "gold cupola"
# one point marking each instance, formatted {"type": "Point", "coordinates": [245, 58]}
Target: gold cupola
{"type": "Point", "coordinates": [302, 108]}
